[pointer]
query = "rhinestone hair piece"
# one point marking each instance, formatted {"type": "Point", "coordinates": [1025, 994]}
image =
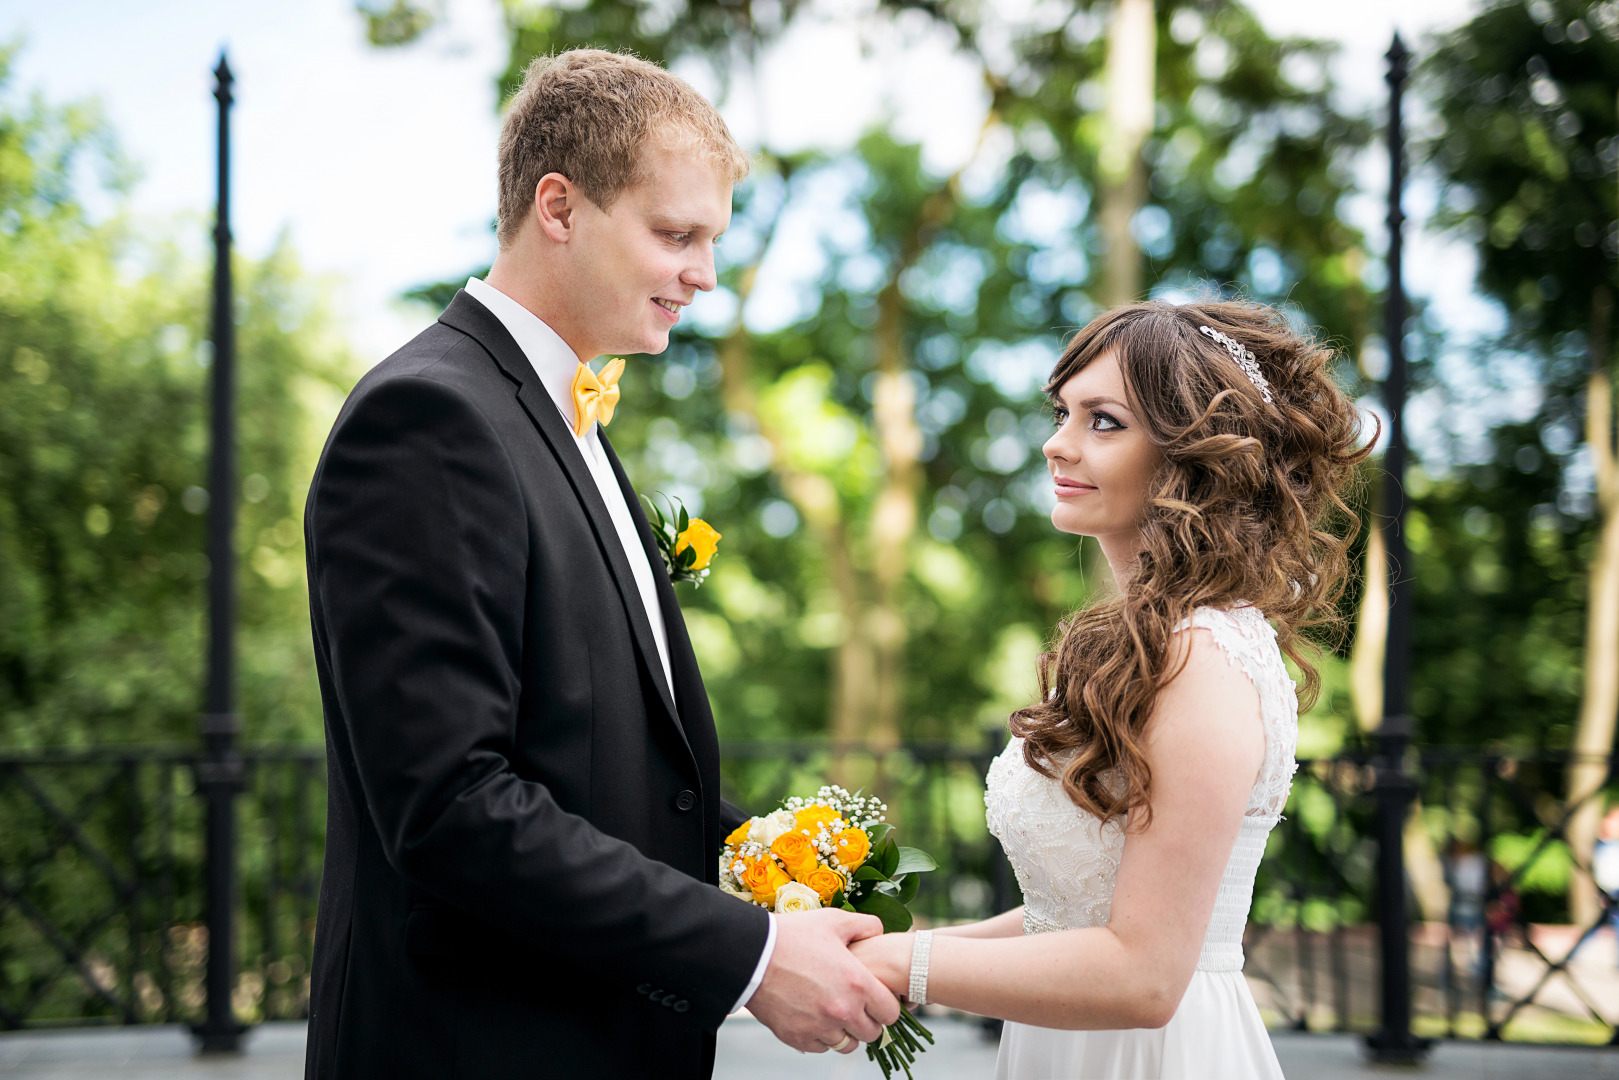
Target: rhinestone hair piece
{"type": "Point", "coordinates": [1244, 359]}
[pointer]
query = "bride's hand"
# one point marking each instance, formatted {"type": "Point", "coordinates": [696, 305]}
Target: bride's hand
{"type": "Point", "coordinates": [889, 958]}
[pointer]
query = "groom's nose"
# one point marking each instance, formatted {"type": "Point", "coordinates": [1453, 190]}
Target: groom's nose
{"type": "Point", "coordinates": [701, 274]}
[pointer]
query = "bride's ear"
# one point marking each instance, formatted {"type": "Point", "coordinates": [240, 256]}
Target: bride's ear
{"type": "Point", "coordinates": [554, 199]}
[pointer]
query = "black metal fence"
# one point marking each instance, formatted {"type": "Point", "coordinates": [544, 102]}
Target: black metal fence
{"type": "Point", "coordinates": [102, 883]}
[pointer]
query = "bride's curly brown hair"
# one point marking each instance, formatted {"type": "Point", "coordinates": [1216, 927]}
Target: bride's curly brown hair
{"type": "Point", "coordinates": [1250, 506]}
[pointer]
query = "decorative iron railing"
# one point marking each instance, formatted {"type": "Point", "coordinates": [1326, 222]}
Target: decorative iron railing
{"type": "Point", "coordinates": [102, 877]}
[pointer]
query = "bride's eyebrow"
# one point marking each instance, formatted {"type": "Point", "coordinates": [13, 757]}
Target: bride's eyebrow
{"type": "Point", "coordinates": [1094, 402]}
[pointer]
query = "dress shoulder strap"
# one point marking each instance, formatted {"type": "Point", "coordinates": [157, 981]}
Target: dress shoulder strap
{"type": "Point", "coordinates": [1249, 642]}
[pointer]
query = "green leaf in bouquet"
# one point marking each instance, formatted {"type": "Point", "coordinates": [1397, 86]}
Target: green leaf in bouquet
{"type": "Point", "coordinates": [886, 858]}
{"type": "Point", "coordinates": [869, 872]}
{"type": "Point", "coordinates": [687, 556]}
{"type": "Point", "coordinates": [908, 887]}
{"type": "Point", "coordinates": [913, 861]}
{"type": "Point", "coordinates": [685, 520]}
{"type": "Point", "coordinates": [878, 833]}
{"type": "Point", "coordinates": [893, 914]}
{"type": "Point", "coordinates": [887, 888]}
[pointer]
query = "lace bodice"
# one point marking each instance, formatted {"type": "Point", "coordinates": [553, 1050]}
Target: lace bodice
{"type": "Point", "coordinates": [1067, 861]}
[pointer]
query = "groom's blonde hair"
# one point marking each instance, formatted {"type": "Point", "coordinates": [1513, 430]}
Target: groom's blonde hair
{"type": "Point", "coordinates": [588, 114]}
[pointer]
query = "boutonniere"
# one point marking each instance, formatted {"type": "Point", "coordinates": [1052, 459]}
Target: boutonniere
{"type": "Point", "coordinates": [686, 543]}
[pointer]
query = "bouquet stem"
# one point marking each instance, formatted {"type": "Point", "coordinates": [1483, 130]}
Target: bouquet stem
{"type": "Point", "coordinates": [899, 1047]}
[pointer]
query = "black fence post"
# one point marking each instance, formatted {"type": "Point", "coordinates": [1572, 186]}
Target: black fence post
{"type": "Point", "coordinates": [1393, 1042]}
{"type": "Point", "coordinates": [219, 774]}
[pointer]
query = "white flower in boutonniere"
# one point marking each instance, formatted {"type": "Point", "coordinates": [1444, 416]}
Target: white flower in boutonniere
{"type": "Point", "coordinates": [687, 544]}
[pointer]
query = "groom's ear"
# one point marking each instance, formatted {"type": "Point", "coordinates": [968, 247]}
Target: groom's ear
{"type": "Point", "coordinates": [554, 201]}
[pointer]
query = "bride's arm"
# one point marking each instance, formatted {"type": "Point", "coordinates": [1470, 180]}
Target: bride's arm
{"type": "Point", "coordinates": [1006, 924]}
{"type": "Point", "coordinates": [1205, 744]}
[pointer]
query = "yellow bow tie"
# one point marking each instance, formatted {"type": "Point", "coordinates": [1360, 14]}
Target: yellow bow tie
{"type": "Point", "coordinates": [595, 396]}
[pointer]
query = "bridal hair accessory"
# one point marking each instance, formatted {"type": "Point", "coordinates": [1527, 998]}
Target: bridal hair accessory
{"type": "Point", "coordinates": [1244, 359]}
{"type": "Point", "coordinates": [921, 949]}
{"type": "Point", "coordinates": [595, 396]}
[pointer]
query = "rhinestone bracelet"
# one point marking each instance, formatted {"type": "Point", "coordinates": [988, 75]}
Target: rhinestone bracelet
{"type": "Point", "coordinates": [917, 992]}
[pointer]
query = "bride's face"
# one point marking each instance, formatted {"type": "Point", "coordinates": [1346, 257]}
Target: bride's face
{"type": "Point", "coordinates": [1100, 458]}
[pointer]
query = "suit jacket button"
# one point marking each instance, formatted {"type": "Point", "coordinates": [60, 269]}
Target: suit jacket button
{"type": "Point", "coordinates": [682, 1006]}
{"type": "Point", "coordinates": [669, 1002]}
{"type": "Point", "coordinates": [644, 989]}
{"type": "Point", "coordinates": [685, 800]}
{"type": "Point", "coordinates": [655, 997]}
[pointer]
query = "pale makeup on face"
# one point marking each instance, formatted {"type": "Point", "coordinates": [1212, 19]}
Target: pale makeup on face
{"type": "Point", "coordinates": [626, 272]}
{"type": "Point", "coordinates": [1101, 461]}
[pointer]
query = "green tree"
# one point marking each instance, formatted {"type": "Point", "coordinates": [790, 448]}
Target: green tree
{"type": "Point", "coordinates": [887, 568]}
{"type": "Point", "coordinates": [1526, 93]}
{"type": "Point", "coordinates": [103, 367]}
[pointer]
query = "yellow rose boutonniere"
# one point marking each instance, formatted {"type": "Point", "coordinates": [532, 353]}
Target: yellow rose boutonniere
{"type": "Point", "coordinates": [700, 537]}
{"type": "Point", "coordinates": [687, 544]}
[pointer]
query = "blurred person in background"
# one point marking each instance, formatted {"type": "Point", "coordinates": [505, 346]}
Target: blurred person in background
{"type": "Point", "coordinates": [1605, 866]}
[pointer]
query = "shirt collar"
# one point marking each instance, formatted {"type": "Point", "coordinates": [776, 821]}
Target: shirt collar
{"type": "Point", "coordinates": [551, 357]}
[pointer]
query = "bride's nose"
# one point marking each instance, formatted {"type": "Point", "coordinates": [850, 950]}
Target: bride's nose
{"type": "Point", "coordinates": [1056, 448]}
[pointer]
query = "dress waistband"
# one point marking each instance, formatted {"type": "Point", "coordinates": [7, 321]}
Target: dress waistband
{"type": "Point", "coordinates": [1220, 956]}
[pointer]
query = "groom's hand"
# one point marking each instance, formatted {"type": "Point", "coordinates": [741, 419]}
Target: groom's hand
{"type": "Point", "coordinates": [815, 991]}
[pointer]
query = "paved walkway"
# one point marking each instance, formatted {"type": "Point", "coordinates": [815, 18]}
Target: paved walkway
{"type": "Point", "coordinates": [747, 1051]}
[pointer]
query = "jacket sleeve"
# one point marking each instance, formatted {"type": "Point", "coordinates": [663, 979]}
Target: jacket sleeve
{"type": "Point", "coordinates": [418, 558]}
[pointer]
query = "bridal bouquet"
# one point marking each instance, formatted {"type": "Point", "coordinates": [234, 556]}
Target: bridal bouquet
{"type": "Point", "coordinates": [832, 850]}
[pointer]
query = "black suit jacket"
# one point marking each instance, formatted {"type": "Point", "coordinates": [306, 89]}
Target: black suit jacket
{"type": "Point", "coordinates": [524, 821]}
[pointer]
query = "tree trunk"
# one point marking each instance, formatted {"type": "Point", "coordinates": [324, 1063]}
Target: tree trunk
{"type": "Point", "coordinates": [1593, 738]}
{"type": "Point", "coordinates": [1371, 636]}
{"type": "Point", "coordinates": [1127, 122]}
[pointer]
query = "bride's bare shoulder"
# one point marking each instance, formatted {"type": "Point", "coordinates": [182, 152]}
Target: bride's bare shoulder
{"type": "Point", "coordinates": [1209, 710]}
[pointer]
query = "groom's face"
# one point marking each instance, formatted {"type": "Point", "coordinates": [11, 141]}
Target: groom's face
{"type": "Point", "coordinates": [641, 262]}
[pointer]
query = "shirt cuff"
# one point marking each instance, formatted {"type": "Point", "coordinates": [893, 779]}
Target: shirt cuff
{"type": "Point", "coordinates": [759, 970]}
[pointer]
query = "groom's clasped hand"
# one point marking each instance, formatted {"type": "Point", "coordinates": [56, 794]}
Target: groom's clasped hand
{"type": "Point", "coordinates": [815, 995]}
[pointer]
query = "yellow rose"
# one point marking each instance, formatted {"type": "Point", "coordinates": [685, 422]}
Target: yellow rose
{"type": "Point", "coordinates": [811, 818]}
{"type": "Point", "coordinates": [739, 834]}
{"type": "Point", "coordinates": [796, 853]}
{"type": "Point", "coordinates": [851, 846]}
{"type": "Point", "coordinates": [826, 883]}
{"type": "Point", "coordinates": [702, 538]}
{"type": "Point", "coordinates": [795, 897]}
{"type": "Point", "coordinates": [763, 877]}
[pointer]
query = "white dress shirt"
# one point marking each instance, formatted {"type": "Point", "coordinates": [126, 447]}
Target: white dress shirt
{"type": "Point", "coordinates": [555, 364]}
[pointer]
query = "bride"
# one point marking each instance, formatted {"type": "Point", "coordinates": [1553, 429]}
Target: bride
{"type": "Point", "coordinates": [1207, 449]}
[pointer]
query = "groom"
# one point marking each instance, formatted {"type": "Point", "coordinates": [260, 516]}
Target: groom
{"type": "Point", "coordinates": [524, 814]}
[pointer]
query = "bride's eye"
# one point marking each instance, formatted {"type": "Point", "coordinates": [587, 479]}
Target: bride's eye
{"type": "Point", "coordinates": [1059, 416]}
{"type": "Point", "coordinates": [1099, 419]}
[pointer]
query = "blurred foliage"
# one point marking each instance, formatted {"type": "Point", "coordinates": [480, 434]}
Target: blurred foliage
{"type": "Point", "coordinates": [950, 295]}
{"type": "Point", "coordinates": [1524, 142]}
{"type": "Point", "coordinates": [103, 442]}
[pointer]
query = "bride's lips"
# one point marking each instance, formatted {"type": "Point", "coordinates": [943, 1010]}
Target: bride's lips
{"type": "Point", "coordinates": [663, 305]}
{"type": "Point", "coordinates": [1067, 488]}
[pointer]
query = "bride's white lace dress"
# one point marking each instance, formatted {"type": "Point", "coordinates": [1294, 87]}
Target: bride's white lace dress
{"type": "Point", "coordinates": [1067, 862]}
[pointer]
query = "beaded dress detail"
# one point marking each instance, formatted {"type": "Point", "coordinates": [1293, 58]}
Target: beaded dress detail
{"type": "Point", "coordinates": [1067, 863]}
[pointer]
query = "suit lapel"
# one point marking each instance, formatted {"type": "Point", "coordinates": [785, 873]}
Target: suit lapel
{"type": "Point", "coordinates": [479, 323]}
{"type": "Point", "coordinates": [689, 694]}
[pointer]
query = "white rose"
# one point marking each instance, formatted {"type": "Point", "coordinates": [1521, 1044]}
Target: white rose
{"type": "Point", "coordinates": [732, 889]}
{"type": "Point", "coordinates": [766, 829]}
{"type": "Point", "coordinates": [796, 897]}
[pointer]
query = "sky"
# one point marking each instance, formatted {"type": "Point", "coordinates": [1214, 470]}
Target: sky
{"type": "Point", "coordinates": [379, 165]}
